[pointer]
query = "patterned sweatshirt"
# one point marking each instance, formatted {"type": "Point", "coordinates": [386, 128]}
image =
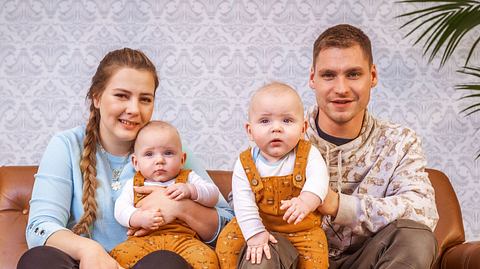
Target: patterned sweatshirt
{"type": "Point", "coordinates": [380, 176]}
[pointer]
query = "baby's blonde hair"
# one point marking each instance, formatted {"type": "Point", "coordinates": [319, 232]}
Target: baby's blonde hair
{"type": "Point", "coordinates": [163, 125]}
{"type": "Point", "coordinates": [275, 88]}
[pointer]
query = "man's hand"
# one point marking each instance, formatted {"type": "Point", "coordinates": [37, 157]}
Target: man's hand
{"type": "Point", "coordinates": [257, 245]}
{"type": "Point", "coordinates": [329, 207]}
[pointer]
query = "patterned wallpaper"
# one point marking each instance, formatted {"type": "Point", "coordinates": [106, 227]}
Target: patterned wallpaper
{"type": "Point", "coordinates": [211, 54]}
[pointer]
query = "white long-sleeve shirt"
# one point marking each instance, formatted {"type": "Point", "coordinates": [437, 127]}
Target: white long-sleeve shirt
{"type": "Point", "coordinates": [124, 206]}
{"type": "Point", "coordinates": [246, 210]}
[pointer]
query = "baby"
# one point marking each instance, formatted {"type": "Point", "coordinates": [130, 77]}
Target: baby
{"type": "Point", "coordinates": [277, 185]}
{"type": "Point", "coordinates": [158, 159]}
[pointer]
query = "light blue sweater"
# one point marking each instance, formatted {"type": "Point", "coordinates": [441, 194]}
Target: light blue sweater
{"type": "Point", "coordinates": [56, 202]}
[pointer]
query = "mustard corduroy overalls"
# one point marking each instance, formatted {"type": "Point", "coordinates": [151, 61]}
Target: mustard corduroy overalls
{"type": "Point", "coordinates": [176, 236]}
{"type": "Point", "coordinates": [307, 236]}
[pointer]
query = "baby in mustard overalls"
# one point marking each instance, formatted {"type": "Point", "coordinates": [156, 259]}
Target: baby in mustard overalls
{"type": "Point", "coordinates": [277, 185]}
{"type": "Point", "coordinates": [158, 159]}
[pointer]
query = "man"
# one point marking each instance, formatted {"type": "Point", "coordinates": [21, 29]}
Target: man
{"type": "Point", "coordinates": [380, 209]}
{"type": "Point", "coordinates": [381, 206]}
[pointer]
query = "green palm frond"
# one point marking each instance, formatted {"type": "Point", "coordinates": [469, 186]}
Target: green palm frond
{"type": "Point", "coordinates": [445, 25]}
{"type": "Point", "coordinates": [442, 26]}
{"type": "Point", "coordinates": [473, 88]}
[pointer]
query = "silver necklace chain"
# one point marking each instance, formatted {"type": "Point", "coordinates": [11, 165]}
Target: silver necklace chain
{"type": "Point", "coordinates": [116, 172]}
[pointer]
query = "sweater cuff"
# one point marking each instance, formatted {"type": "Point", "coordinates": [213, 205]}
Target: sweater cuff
{"type": "Point", "coordinates": [37, 235]}
{"type": "Point", "coordinates": [347, 209]}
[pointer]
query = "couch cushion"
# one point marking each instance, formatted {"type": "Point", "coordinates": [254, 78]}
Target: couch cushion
{"type": "Point", "coordinates": [15, 191]}
{"type": "Point", "coordinates": [223, 180]}
{"type": "Point", "coordinates": [16, 183]}
{"type": "Point", "coordinates": [449, 230]}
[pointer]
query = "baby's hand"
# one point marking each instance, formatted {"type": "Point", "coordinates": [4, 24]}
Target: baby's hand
{"type": "Point", "coordinates": [297, 210]}
{"type": "Point", "coordinates": [257, 245]}
{"type": "Point", "coordinates": [179, 191]}
{"type": "Point", "coordinates": [147, 219]}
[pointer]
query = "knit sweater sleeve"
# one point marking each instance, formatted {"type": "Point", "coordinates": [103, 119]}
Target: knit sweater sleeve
{"type": "Point", "coordinates": [408, 194]}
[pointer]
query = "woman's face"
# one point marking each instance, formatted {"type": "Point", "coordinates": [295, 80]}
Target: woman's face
{"type": "Point", "coordinates": [125, 106]}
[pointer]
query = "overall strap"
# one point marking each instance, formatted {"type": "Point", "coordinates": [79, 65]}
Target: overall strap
{"type": "Point", "coordinates": [183, 176]}
{"type": "Point", "coordinates": [251, 170]}
{"type": "Point", "coordinates": [138, 181]}
{"type": "Point", "coordinates": [303, 149]}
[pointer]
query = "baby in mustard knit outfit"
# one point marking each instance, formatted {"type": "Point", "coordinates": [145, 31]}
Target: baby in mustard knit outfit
{"type": "Point", "coordinates": [158, 159]}
{"type": "Point", "coordinates": [277, 185]}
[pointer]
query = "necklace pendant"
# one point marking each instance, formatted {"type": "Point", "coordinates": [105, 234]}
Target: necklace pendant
{"type": "Point", "coordinates": [116, 174]}
{"type": "Point", "coordinates": [116, 185]}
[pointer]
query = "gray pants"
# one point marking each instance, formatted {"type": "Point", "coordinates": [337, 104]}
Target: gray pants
{"type": "Point", "coordinates": [403, 244]}
{"type": "Point", "coordinates": [284, 256]}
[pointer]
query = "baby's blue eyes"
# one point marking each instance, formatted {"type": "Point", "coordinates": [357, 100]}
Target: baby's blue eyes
{"type": "Point", "coordinates": [266, 121]}
{"type": "Point", "coordinates": [166, 153]}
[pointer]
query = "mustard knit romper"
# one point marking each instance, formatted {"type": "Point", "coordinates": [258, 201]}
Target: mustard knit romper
{"type": "Point", "coordinates": [176, 236]}
{"type": "Point", "coordinates": [307, 236]}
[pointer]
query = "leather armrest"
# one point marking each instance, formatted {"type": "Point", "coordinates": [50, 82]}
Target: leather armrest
{"type": "Point", "coordinates": [462, 256]}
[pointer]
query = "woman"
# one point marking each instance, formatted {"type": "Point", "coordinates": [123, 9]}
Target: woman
{"type": "Point", "coordinates": [82, 171]}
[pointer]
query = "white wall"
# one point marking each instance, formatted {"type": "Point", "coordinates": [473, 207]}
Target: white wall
{"type": "Point", "coordinates": [211, 54]}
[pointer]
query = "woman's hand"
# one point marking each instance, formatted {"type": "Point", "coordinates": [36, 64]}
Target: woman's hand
{"type": "Point", "coordinates": [201, 219]}
{"type": "Point", "coordinates": [88, 252]}
{"type": "Point", "coordinates": [179, 191]}
{"type": "Point", "coordinates": [156, 200]}
{"type": "Point", "coordinates": [96, 257]}
{"type": "Point", "coordinates": [146, 219]}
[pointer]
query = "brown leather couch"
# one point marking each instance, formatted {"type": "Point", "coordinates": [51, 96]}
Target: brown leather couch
{"type": "Point", "coordinates": [16, 185]}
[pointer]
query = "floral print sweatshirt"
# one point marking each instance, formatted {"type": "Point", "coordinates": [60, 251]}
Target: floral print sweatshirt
{"type": "Point", "coordinates": [380, 176]}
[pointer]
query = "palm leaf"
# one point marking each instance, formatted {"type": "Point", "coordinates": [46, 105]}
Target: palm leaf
{"type": "Point", "coordinates": [472, 49]}
{"type": "Point", "coordinates": [444, 26]}
{"type": "Point", "coordinates": [472, 71]}
{"type": "Point", "coordinates": [441, 28]}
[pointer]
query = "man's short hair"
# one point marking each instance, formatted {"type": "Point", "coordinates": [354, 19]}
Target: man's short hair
{"type": "Point", "coordinates": [343, 36]}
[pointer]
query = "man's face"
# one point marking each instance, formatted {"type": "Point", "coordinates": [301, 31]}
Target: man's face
{"type": "Point", "coordinates": [342, 79]}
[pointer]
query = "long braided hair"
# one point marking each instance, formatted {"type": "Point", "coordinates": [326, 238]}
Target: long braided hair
{"type": "Point", "coordinates": [109, 65]}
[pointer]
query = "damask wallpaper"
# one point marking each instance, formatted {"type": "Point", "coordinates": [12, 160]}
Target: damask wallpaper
{"type": "Point", "coordinates": [211, 55]}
